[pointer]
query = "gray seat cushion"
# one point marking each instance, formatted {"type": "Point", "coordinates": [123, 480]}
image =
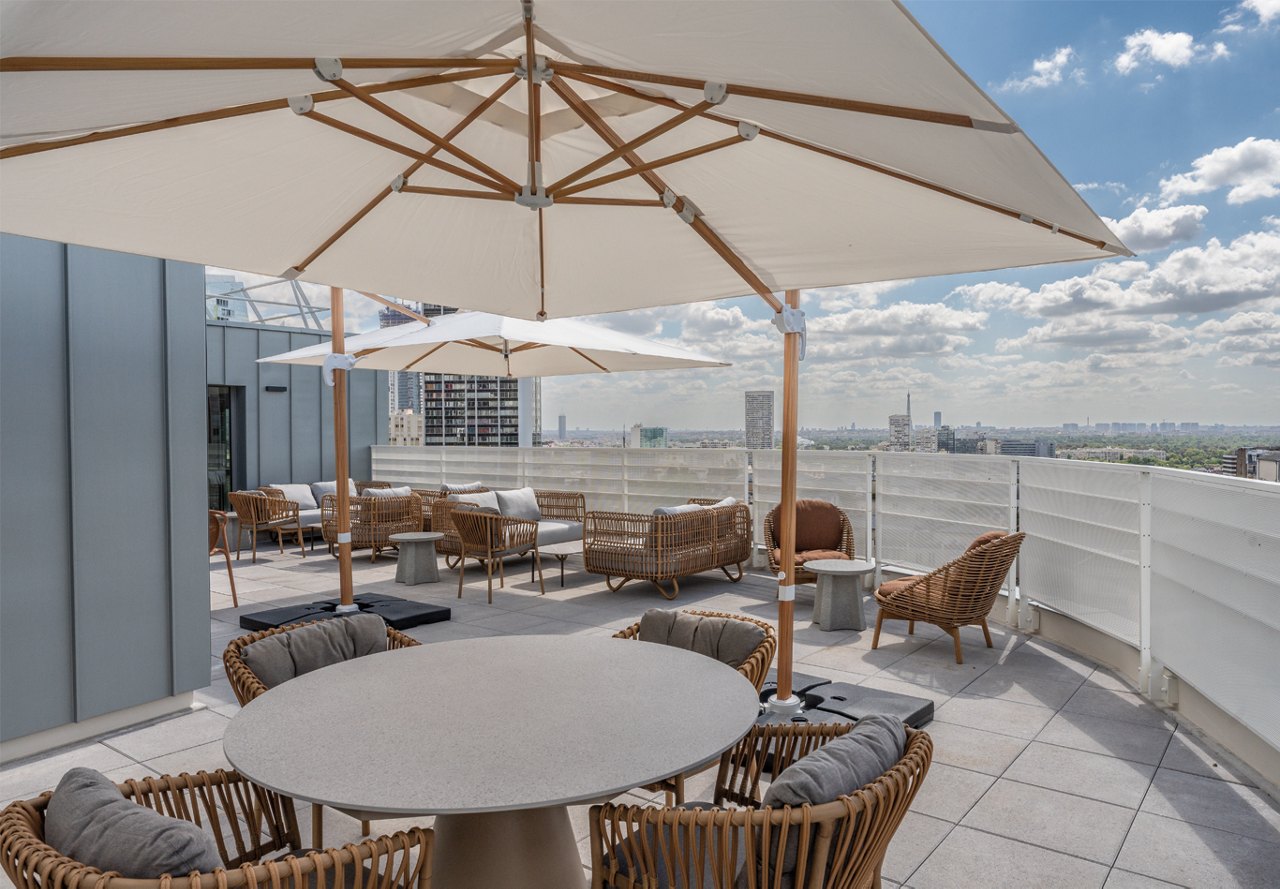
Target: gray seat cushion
{"type": "Point", "coordinates": [299, 494]}
{"type": "Point", "coordinates": [679, 510]}
{"type": "Point", "coordinates": [404, 491]}
{"type": "Point", "coordinates": [309, 516]}
{"type": "Point", "coordinates": [281, 657]}
{"type": "Point", "coordinates": [728, 641]}
{"type": "Point", "coordinates": [558, 531]}
{"type": "Point", "coordinates": [483, 499]}
{"type": "Point", "coordinates": [89, 821]}
{"type": "Point", "coordinates": [521, 503]}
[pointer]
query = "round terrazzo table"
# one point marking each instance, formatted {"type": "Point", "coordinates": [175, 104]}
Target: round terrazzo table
{"type": "Point", "coordinates": [495, 737]}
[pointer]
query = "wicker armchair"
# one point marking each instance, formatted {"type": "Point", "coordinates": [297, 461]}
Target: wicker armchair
{"type": "Point", "coordinates": [823, 532]}
{"type": "Point", "coordinates": [489, 538]}
{"type": "Point", "coordinates": [259, 511]}
{"type": "Point", "coordinates": [959, 594]}
{"type": "Point", "coordinates": [632, 546]}
{"type": "Point", "coordinates": [247, 822]}
{"type": "Point", "coordinates": [246, 685]}
{"type": "Point", "coordinates": [218, 544]}
{"type": "Point", "coordinates": [755, 668]}
{"type": "Point", "coordinates": [567, 506]}
{"type": "Point", "coordinates": [837, 844]}
{"type": "Point", "coordinates": [373, 520]}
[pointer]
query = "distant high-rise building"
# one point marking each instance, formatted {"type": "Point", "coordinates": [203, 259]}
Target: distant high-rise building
{"type": "Point", "coordinates": [404, 389]}
{"type": "Point", "coordinates": [937, 419]}
{"type": "Point", "coordinates": [899, 432]}
{"type": "Point", "coordinates": [1188, 427]}
{"type": "Point", "coordinates": [1041, 447]}
{"type": "Point", "coordinates": [946, 439]}
{"type": "Point", "coordinates": [759, 419]}
{"type": "Point", "coordinates": [564, 428]}
{"type": "Point", "coordinates": [1166, 427]}
{"type": "Point", "coordinates": [927, 443]}
{"type": "Point", "coordinates": [647, 437]}
{"type": "Point", "coordinates": [1070, 428]}
{"type": "Point", "coordinates": [225, 307]}
{"type": "Point", "coordinates": [406, 429]}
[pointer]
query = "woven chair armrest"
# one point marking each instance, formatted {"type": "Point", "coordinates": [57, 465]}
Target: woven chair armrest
{"type": "Point", "coordinates": [764, 752]}
{"type": "Point", "coordinates": [397, 639]}
{"type": "Point", "coordinates": [278, 508]}
{"type": "Point", "coordinates": [275, 493]}
{"type": "Point", "coordinates": [631, 632]}
{"type": "Point", "coordinates": [564, 505]}
{"type": "Point", "coordinates": [515, 532]}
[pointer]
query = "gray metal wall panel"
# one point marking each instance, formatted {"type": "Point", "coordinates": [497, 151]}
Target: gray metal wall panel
{"type": "Point", "coordinates": [304, 414]}
{"type": "Point", "coordinates": [116, 335]}
{"type": "Point", "coordinates": [37, 643]}
{"type": "Point", "coordinates": [188, 503]}
{"type": "Point", "coordinates": [215, 367]}
{"type": "Point", "coordinates": [241, 352]}
{"type": "Point", "coordinates": [274, 415]}
{"type": "Point", "coordinates": [364, 421]}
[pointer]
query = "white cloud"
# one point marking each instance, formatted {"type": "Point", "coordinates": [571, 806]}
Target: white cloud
{"type": "Point", "coordinates": [1176, 49]}
{"type": "Point", "coordinates": [1045, 72]}
{"type": "Point", "coordinates": [1104, 333]}
{"type": "Point", "coordinates": [1266, 10]}
{"type": "Point", "coordinates": [902, 330]}
{"type": "Point", "coordinates": [1116, 188]}
{"type": "Point", "coordinates": [851, 296]}
{"type": "Point", "coordinates": [1251, 169]}
{"type": "Point", "coordinates": [1250, 339]}
{"type": "Point", "coordinates": [1144, 229]}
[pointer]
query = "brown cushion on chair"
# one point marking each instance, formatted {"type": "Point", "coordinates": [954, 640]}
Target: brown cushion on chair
{"type": "Point", "coordinates": [889, 587]}
{"type": "Point", "coordinates": [984, 539]}
{"type": "Point", "coordinates": [818, 525]}
{"type": "Point", "coordinates": [811, 555]}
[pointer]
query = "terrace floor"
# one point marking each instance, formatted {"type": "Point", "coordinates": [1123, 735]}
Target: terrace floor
{"type": "Point", "coordinates": [1048, 770]}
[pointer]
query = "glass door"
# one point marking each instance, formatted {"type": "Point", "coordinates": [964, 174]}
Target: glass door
{"type": "Point", "coordinates": [219, 433]}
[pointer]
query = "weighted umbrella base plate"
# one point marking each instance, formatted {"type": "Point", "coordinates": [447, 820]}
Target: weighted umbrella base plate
{"type": "Point", "coordinates": [279, 617]}
{"type": "Point", "coordinates": [857, 701]}
{"type": "Point", "coordinates": [800, 683]}
{"type": "Point", "coordinates": [400, 614]}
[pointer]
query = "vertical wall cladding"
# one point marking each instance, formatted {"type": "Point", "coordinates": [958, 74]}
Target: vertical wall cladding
{"type": "Point", "coordinates": [103, 366]}
{"type": "Point", "coordinates": [288, 435]}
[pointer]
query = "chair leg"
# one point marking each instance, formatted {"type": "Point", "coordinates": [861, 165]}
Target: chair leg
{"type": "Point", "coordinates": [365, 828]}
{"type": "Point", "coordinates": [502, 573]}
{"type": "Point", "coordinates": [875, 639]}
{"type": "Point", "coordinates": [317, 826]}
{"type": "Point", "coordinates": [280, 539]}
{"type": "Point", "coordinates": [911, 628]}
{"type": "Point", "coordinates": [235, 601]}
{"type": "Point", "coordinates": [537, 561]}
{"type": "Point", "coordinates": [253, 538]}
{"type": "Point", "coordinates": [488, 570]}
{"type": "Point", "coordinates": [955, 636]}
{"type": "Point", "coordinates": [462, 569]}
{"type": "Point", "coordinates": [301, 548]}
{"type": "Point", "coordinates": [239, 539]}
{"type": "Point", "coordinates": [679, 779]}
{"type": "Point", "coordinates": [986, 631]}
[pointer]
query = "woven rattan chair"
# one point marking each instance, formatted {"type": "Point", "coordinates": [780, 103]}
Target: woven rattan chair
{"type": "Point", "coordinates": [569, 506]}
{"type": "Point", "coordinates": [755, 668]}
{"type": "Point", "coordinates": [373, 520]}
{"type": "Point", "coordinates": [259, 511]}
{"type": "Point", "coordinates": [959, 594]}
{"type": "Point", "coordinates": [634, 546]}
{"type": "Point", "coordinates": [837, 844]}
{"type": "Point", "coordinates": [823, 533]}
{"type": "Point", "coordinates": [218, 544]}
{"type": "Point", "coordinates": [490, 538]}
{"type": "Point", "coordinates": [247, 822]}
{"type": "Point", "coordinates": [246, 685]}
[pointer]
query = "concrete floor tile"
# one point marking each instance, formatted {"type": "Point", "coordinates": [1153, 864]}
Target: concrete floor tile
{"type": "Point", "coordinates": [29, 777]}
{"type": "Point", "coordinates": [204, 758]}
{"type": "Point", "coordinates": [1109, 679]}
{"type": "Point", "coordinates": [169, 736]}
{"type": "Point", "coordinates": [941, 675]}
{"type": "Point", "coordinates": [1081, 827]}
{"type": "Point", "coordinates": [949, 793]}
{"type": "Point", "coordinates": [995, 715]}
{"type": "Point", "coordinates": [1126, 740]}
{"type": "Point", "coordinates": [1117, 705]}
{"type": "Point", "coordinates": [1049, 662]}
{"type": "Point", "coordinates": [508, 622]}
{"type": "Point", "coordinates": [1022, 686]}
{"type": "Point", "coordinates": [973, 749]}
{"type": "Point", "coordinates": [885, 682]}
{"type": "Point", "coordinates": [915, 840]}
{"type": "Point", "coordinates": [1199, 857]}
{"type": "Point", "coordinates": [1123, 879]}
{"type": "Point", "coordinates": [1209, 802]}
{"type": "Point", "coordinates": [971, 858]}
{"type": "Point", "coordinates": [860, 661]}
{"type": "Point", "coordinates": [1120, 782]}
{"type": "Point", "coordinates": [1198, 756]}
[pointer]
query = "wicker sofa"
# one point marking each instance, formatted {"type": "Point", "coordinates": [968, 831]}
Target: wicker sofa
{"type": "Point", "coordinates": [667, 547]}
{"type": "Point", "coordinates": [562, 515]}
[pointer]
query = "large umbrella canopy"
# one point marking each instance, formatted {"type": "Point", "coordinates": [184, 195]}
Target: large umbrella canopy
{"type": "Point", "coordinates": [490, 345]}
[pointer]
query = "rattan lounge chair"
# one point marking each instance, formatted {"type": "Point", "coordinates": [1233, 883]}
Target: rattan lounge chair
{"type": "Point", "coordinates": [822, 532]}
{"type": "Point", "coordinates": [218, 544]}
{"type": "Point", "coordinates": [257, 511]}
{"type": "Point", "coordinates": [248, 823]}
{"type": "Point", "coordinates": [490, 538]}
{"type": "Point", "coordinates": [959, 594]}
{"type": "Point", "coordinates": [373, 520]}
{"type": "Point", "coordinates": [836, 844]}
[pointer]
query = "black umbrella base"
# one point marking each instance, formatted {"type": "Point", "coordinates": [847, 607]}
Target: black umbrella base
{"type": "Point", "coordinates": [399, 614]}
{"type": "Point", "coordinates": [827, 701]}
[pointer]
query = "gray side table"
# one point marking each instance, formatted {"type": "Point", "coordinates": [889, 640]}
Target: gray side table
{"type": "Point", "coordinates": [417, 560]}
{"type": "Point", "coordinates": [838, 602]}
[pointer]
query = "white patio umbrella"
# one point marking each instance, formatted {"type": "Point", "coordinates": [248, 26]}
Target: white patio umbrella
{"type": "Point", "coordinates": [671, 151]}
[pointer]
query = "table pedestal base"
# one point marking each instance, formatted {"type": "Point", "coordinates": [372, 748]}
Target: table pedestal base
{"type": "Point", "coordinates": [529, 848]}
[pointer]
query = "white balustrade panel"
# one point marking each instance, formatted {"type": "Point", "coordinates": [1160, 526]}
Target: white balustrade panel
{"type": "Point", "coordinates": [671, 476]}
{"type": "Point", "coordinates": [596, 473]}
{"type": "Point", "coordinates": [415, 467]}
{"type": "Point", "coordinates": [1080, 556]}
{"type": "Point", "coordinates": [1215, 591]}
{"type": "Point", "coordinates": [840, 477]}
{"type": "Point", "coordinates": [929, 507]}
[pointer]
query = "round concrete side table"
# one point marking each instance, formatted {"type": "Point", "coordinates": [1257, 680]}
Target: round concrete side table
{"type": "Point", "coordinates": [417, 561]}
{"type": "Point", "coordinates": [838, 602]}
{"type": "Point", "coordinates": [495, 737]}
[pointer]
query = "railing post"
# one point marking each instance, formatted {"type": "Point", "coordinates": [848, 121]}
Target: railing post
{"type": "Point", "coordinates": [870, 542]}
{"type": "Point", "coordinates": [626, 480]}
{"type": "Point", "coordinates": [1011, 604]}
{"type": "Point", "coordinates": [1144, 585]}
{"type": "Point", "coordinates": [873, 517]}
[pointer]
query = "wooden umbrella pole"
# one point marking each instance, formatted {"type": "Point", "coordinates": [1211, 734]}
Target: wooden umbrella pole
{"type": "Point", "coordinates": [787, 510]}
{"type": "Point", "coordinates": [340, 451]}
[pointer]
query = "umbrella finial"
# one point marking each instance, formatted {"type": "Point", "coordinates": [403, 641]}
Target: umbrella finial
{"type": "Point", "coordinates": [789, 320]}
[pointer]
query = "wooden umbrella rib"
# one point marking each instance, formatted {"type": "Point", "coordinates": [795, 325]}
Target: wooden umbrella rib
{"type": "Point", "coordinates": [584, 356]}
{"type": "Point", "coordinates": [627, 147]}
{"type": "Point", "coordinates": [26, 64]}
{"type": "Point", "coordinates": [230, 112]}
{"type": "Point", "coordinates": [399, 307]}
{"type": "Point", "coordinates": [611, 202]}
{"type": "Point", "coordinates": [418, 129]}
{"type": "Point", "coordinates": [542, 267]}
{"type": "Point", "coordinates": [650, 165]}
{"type": "Point", "coordinates": [534, 104]}
{"type": "Point", "coordinates": [456, 192]}
{"type": "Point", "coordinates": [424, 356]}
{"type": "Point", "coordinates": [925, 115]}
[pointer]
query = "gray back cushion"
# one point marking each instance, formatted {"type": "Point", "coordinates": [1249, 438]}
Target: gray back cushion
{"type": "Point", "coordinates": [842, 766]}
{"type": "Point", "coordinates": [468, 488]}
{"type": "Point", "coordinates": [299, 494]}
{"type": "Point", "coordinates": [679, 510]}
{"type": "Point", "coordinates": [522, 503]}
{"type": "Point", "coordinates": [728, 641]}
{"type": "Point", "coordinates": [89, 821]}
{"type": "Point", "coordinates": [319, 489]}
{"type": "Point", "coordinates": [404, 491]}
{"type": "Point", "coordinates": [485, 499]}
{"type": "Point", "coordinates": [283, 656]}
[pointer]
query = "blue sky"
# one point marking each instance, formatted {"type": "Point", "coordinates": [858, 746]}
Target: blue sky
{"type": "Point", "coordinates": [1167, 117]}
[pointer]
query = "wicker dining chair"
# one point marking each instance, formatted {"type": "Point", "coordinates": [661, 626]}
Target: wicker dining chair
{"type": "Point", "coordinates": [246, 686]}
{"type": "Point", "coordinates": [247, 822]}
{"type": "Point", "coordinates": [755, 668]}
{"type": "Point", "coordinates": [959, 594]}
{"type": "Point", "coordinates": [823, 531]}
{"type": "Point", "coordinates": [490, 538]}
{"type": "Point", "coordinates": [257, 511]}
{"type": "Point", "coordinates": [835, 845]}
{"type": "Point", "coordinates": [218, 544]}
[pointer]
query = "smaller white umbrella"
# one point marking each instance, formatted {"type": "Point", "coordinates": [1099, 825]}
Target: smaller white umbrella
{"type": "Point", "coordinates": [481, 344]}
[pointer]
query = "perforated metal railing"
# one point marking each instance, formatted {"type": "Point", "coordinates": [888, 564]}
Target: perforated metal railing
{"type": "Point", "coordinates": [1182, 566]}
